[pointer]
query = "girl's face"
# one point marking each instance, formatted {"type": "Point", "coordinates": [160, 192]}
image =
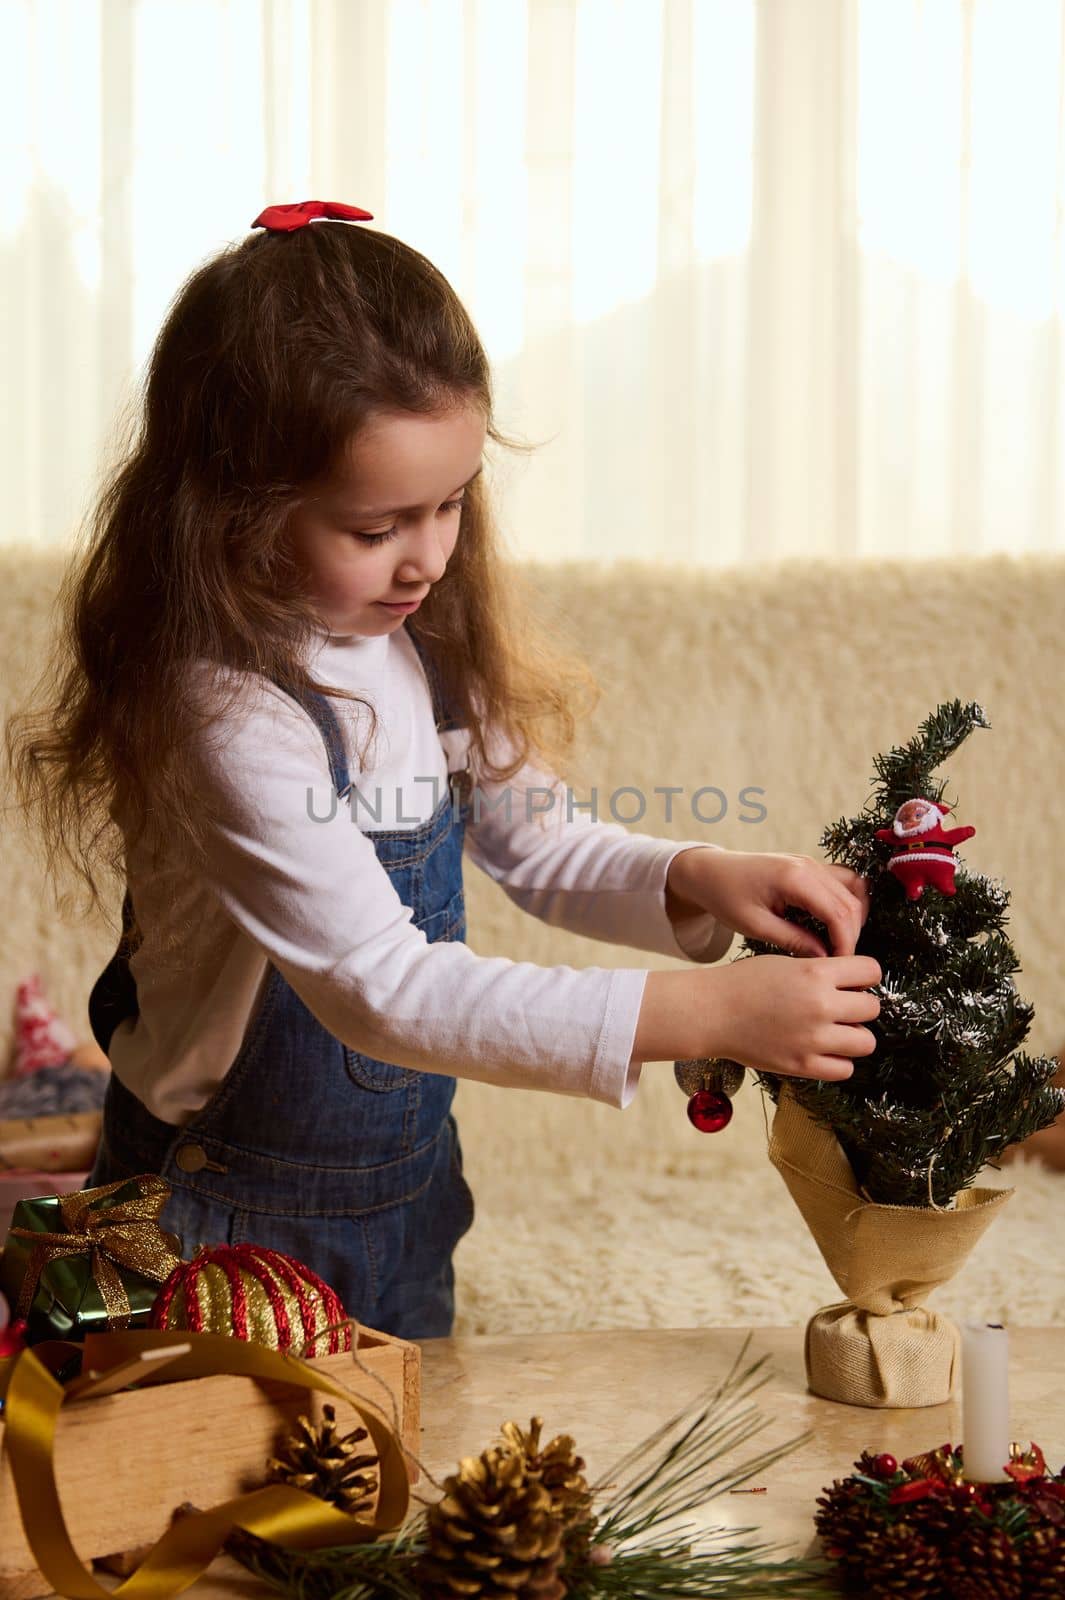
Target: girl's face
{"type": "Point", "coordinates": [382, 528]}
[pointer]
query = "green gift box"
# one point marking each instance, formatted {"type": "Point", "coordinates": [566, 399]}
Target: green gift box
{"type": "Point", "coordinates": [89, 1262]}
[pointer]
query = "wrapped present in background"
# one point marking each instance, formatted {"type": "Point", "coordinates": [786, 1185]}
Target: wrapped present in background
{"type": "Point", "coordinates": [32, 1183]}
{"type": "Point", "coordinates": [44, 1156]}
{"type": "Point", "coordinates": [90, 1261]}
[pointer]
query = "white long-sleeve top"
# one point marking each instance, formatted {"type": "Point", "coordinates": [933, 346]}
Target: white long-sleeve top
{"type": "Point", "coordinates": [293, 881]}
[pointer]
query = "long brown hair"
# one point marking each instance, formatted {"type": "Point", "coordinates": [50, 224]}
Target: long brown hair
{"type": "Point", "coordinates": [272, 356]}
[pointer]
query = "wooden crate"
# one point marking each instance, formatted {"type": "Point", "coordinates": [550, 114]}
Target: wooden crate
{"type": "Point", "coordinates": [125, 1461]}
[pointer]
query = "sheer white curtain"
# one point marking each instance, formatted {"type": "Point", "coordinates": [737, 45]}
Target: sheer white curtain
{"type": "Point", "coordinates": [763, 277]}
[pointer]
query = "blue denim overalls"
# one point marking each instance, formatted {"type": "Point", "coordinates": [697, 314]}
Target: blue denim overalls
{"type": "Point", "coordinates": [351, 1165]}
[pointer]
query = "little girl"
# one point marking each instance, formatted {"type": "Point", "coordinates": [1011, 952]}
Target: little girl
{"type": "Point", "coordinates": [294, 690]}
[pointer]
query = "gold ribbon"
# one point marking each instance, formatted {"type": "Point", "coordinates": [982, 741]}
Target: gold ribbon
{"type": "Point", "coordinates": [127, 1235]}
{"type": "Point", "coordinates": [286, 1516]}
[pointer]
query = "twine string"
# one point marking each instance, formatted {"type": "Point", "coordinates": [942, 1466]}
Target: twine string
{"type": "Point", "coordinates": [391, 1415]}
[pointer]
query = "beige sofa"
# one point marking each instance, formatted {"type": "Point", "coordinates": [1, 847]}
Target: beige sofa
{"type": "Point", "coordinates": [786, 680]}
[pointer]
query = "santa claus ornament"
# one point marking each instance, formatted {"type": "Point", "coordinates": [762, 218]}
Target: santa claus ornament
{"type": "Point", "coordinates": [924, 849]}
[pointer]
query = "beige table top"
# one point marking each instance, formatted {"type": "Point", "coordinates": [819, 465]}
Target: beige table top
{"type": "Point", "coordinates": [610, 1390]}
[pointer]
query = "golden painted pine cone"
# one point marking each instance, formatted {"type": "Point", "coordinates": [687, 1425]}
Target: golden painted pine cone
{"type": "Point", "coordinates": [320, 1462]}
{"type": "Point", "coordinates": [495, 1535]}
{"type": "Point", "coordinates": [561, 1471]}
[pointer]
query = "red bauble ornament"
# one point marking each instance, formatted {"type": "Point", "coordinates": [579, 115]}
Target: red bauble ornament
{"type": "Point", "coordinates": [709, 1083]}
{"type": "Point", "coordinates": [248, 1292]}
{"type": "Point", "coordinates": [885, 1466]}
{"type": "Point", "coordinates": [709, 1112]}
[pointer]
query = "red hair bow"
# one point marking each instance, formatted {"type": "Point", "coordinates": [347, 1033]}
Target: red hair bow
{"type": "Point", "coordinates": [284, 219]}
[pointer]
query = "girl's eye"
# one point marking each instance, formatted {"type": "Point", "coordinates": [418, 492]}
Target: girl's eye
{"type": "Point", "coordinates": [377, 538]}
{"type": "Point", "coordinates": [390, 533]}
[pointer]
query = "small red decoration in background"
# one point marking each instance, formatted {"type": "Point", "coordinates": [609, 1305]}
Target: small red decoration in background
{"type": "Point", "coordinates": [13, 1338]}
{"type": "Point", "coordinates": [924, 848]}
{"type": "Point", "coordinates": [42, 1038]}
{"type": "Point", "coordinates": [12, 1334]}
{"type": "Point", "coordinates": [709, 1112]}
{"type": "Point", "coordinates": [286, 219]}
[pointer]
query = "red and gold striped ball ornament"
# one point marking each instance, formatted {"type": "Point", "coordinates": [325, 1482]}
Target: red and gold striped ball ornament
{"type": "Point", "coordinates": [248, 1292]}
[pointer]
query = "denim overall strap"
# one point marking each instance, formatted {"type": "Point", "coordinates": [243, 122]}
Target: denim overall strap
{"type": "Point", "coordinates": [114, 994]}
{"type": "Point", "coordinates": [308, 1146]}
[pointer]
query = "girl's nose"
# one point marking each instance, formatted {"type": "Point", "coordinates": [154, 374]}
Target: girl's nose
{"type": "Point", "coordinates": [424, 560]}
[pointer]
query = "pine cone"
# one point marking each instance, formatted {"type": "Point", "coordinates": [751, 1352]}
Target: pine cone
{"type": "Point", "coordinates": [317, 1461]}
{"type": "Point", "coordinates": [896, 1561]}
{"type": "Point", "coordinates": [495, 1535]}
{"type": "Point", "coordinates": [984, 1564]}
{"type": "Point", "coordinates": [561, 1471]}
{"type": "Point", "coordinates": [877, 1560]}
{"type": "Point", "coordinates": [1043, 1561]}
{"type": "Point", "coordinates": [845, 1514]}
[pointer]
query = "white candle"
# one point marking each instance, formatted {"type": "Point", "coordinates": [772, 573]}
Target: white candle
{"type": "Point", "coordinates": [985, 1388]}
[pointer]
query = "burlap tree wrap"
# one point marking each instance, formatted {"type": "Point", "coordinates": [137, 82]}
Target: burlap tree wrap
{"type": "Point", "coordinates": [880, 1346]}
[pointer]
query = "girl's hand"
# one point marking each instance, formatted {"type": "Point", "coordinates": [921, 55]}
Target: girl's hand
{"type": "Point", "coordinates": [749, 891]}
{"type": "Point", "coordinates": [802, 1019]}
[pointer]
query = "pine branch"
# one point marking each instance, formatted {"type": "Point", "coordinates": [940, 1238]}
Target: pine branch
{"type": "Point", "coordinates": [678, 1469]}
{"type": "Point", "coordinates": [907, 770]}
{"type": "Point", "coordinates": [945, 1091]}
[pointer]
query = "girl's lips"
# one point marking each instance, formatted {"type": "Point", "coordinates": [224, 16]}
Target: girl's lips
{"type": "Point", "coordinates": [400, 605]}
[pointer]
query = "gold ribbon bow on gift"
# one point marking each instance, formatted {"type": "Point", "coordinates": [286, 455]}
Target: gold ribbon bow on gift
{"type": "Point", "coordinates": [125, 1235]}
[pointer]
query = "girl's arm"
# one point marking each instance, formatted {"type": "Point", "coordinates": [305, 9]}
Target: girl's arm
{"type": "Point", "coordinates": [584, 875]}
{"type": "Point", "coordinates": [300, 880]}
{"type": "Point", "coordinates": [301, 888]}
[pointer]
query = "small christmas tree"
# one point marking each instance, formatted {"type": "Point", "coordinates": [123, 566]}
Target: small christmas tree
{"type": "Point", "coordinates": [944, 1092]}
